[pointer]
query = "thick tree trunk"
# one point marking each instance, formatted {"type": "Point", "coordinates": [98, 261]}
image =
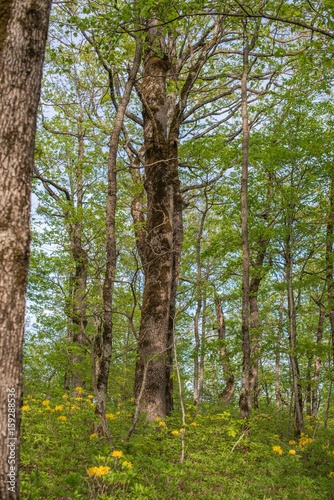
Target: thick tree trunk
{"type": "Point", "coordinates": [225, 357]}
{"type": "Point", "coordinates": [164, 232]}
{"type": "Point", "coordinates": [23, 30]}
{"type": "Point", "coordinates": [153, 337]}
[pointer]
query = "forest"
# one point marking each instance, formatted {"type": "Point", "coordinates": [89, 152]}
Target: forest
{"type": "Point", "coordinates": [179, 308]}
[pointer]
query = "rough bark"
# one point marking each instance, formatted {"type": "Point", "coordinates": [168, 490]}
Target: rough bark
{"type": "Point", "coordinates": [163, 115]}
{"type": "Point", "coordinates": [245, 401]}
{"type": "Point", "coordinates": [153, 345]}
{"type": "Point", "coordinates": [225, 357]}
{"type": "Point", "coordinates": [23, 30]}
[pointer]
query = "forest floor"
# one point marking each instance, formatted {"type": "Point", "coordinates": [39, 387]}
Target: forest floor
{"type": "Point", "coordinates": [64, 457]}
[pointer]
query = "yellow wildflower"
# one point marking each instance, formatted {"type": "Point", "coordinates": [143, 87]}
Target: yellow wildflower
{"type": "Point", "coordinates": [78, 399]}
{"type": "Point", "coordinates": [29, 396]}
{"type": "Point", "coordinates": [118, 413]}
{"type": "Point", "coordinates": [175, 433]}
{"type": "Point", "coordinates": [94, 436]}
{"type": "Point", "coordinates": [92, 405]}
{"type": "Point", "coordinates": [127, 465]}
{"type": "Point", "coordinates": [25, 408]}
{"type": "Point", "coordinates": [158, 419]}
{"type": "Point", "coordinates": [46, 402]}
{"type": "Point", "coordinates": [193, 424]}
{"type": "Point", "coordinates": [110, 416]}
{"type": "Point", "coordinates": [62, 418]}
{"type": "Point", "coordinates": [132, 400]}
{"type": "Point", "coordinates": [79, 389]}
{"type": "Point", "coordinates": [162, 423]}
{"type": "Point", "coordinates": [292, 452]}
{"type": "Point", "coordinates": [292, 441]}
{"type": "Point", "coordinates": [75, 407]}
{"type": "Point", "coordinates": [331, 474]}
{"type": "Point", "coordinates": [65, 396]}
{"type": "Point", "coordinates": [119, 405]}
{"type": "Point", "coordinates": [117, 454]}
{"type": "Point", "coordinates": [277, 437]}
{"type": "Point", "coordinates": [90, 396]}
{"type": "Point", "coordinates": [304, 440]}
{"type": "Point", "coordinates": [278, 450]}
{"type": "Point", "coordinates": [58, 408]}
{"type": "Point", "coordinates": [98, 471]}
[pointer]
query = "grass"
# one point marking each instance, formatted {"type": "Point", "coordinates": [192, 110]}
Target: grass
{"type": "Point", "coordinates": [225, 458]}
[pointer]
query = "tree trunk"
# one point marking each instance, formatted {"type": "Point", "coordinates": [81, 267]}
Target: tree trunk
{"type": "Point", "coordinates": [298, 399]}
{"type": "Point", "coordinates": [164, 232]}
{"type": "Point", "coordinates": [158, 270]}
{"type": "Point", "coordinates": [278, 394]}
{"type": "Point", "coordinates": [317, 363]}
{"type": "Point", "coordinates": [199, 290]}
{"type": "Point", "coordinates": [202, 353]}
{"type": "Point", "coordinates": [80, 258]}
{"type": "Point", "coordinates": [330, 259]}
{"type": "Point", "coordinates": [177, 248]}
{"type": "Point", "coordinates": [225, 357]}
{"type": "Point", "coordinates": [245, 401]}
{"type": "Point", "coordinates": [308, 389]}
{"type": "Point", "coordinates": [23, 30]}
{"type": "Point", "coordinates": [197, 350]}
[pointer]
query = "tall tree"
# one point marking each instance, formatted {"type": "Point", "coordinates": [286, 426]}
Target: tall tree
{"type": "Point", "coordinates": [23, 31]}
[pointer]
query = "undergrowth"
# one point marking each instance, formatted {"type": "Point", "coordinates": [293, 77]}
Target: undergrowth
{"type": "Point", "coordinates": [63, 455]}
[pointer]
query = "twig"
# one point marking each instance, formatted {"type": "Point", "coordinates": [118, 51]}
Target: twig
{"type": "Point", "coordinates": [240, 438]}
